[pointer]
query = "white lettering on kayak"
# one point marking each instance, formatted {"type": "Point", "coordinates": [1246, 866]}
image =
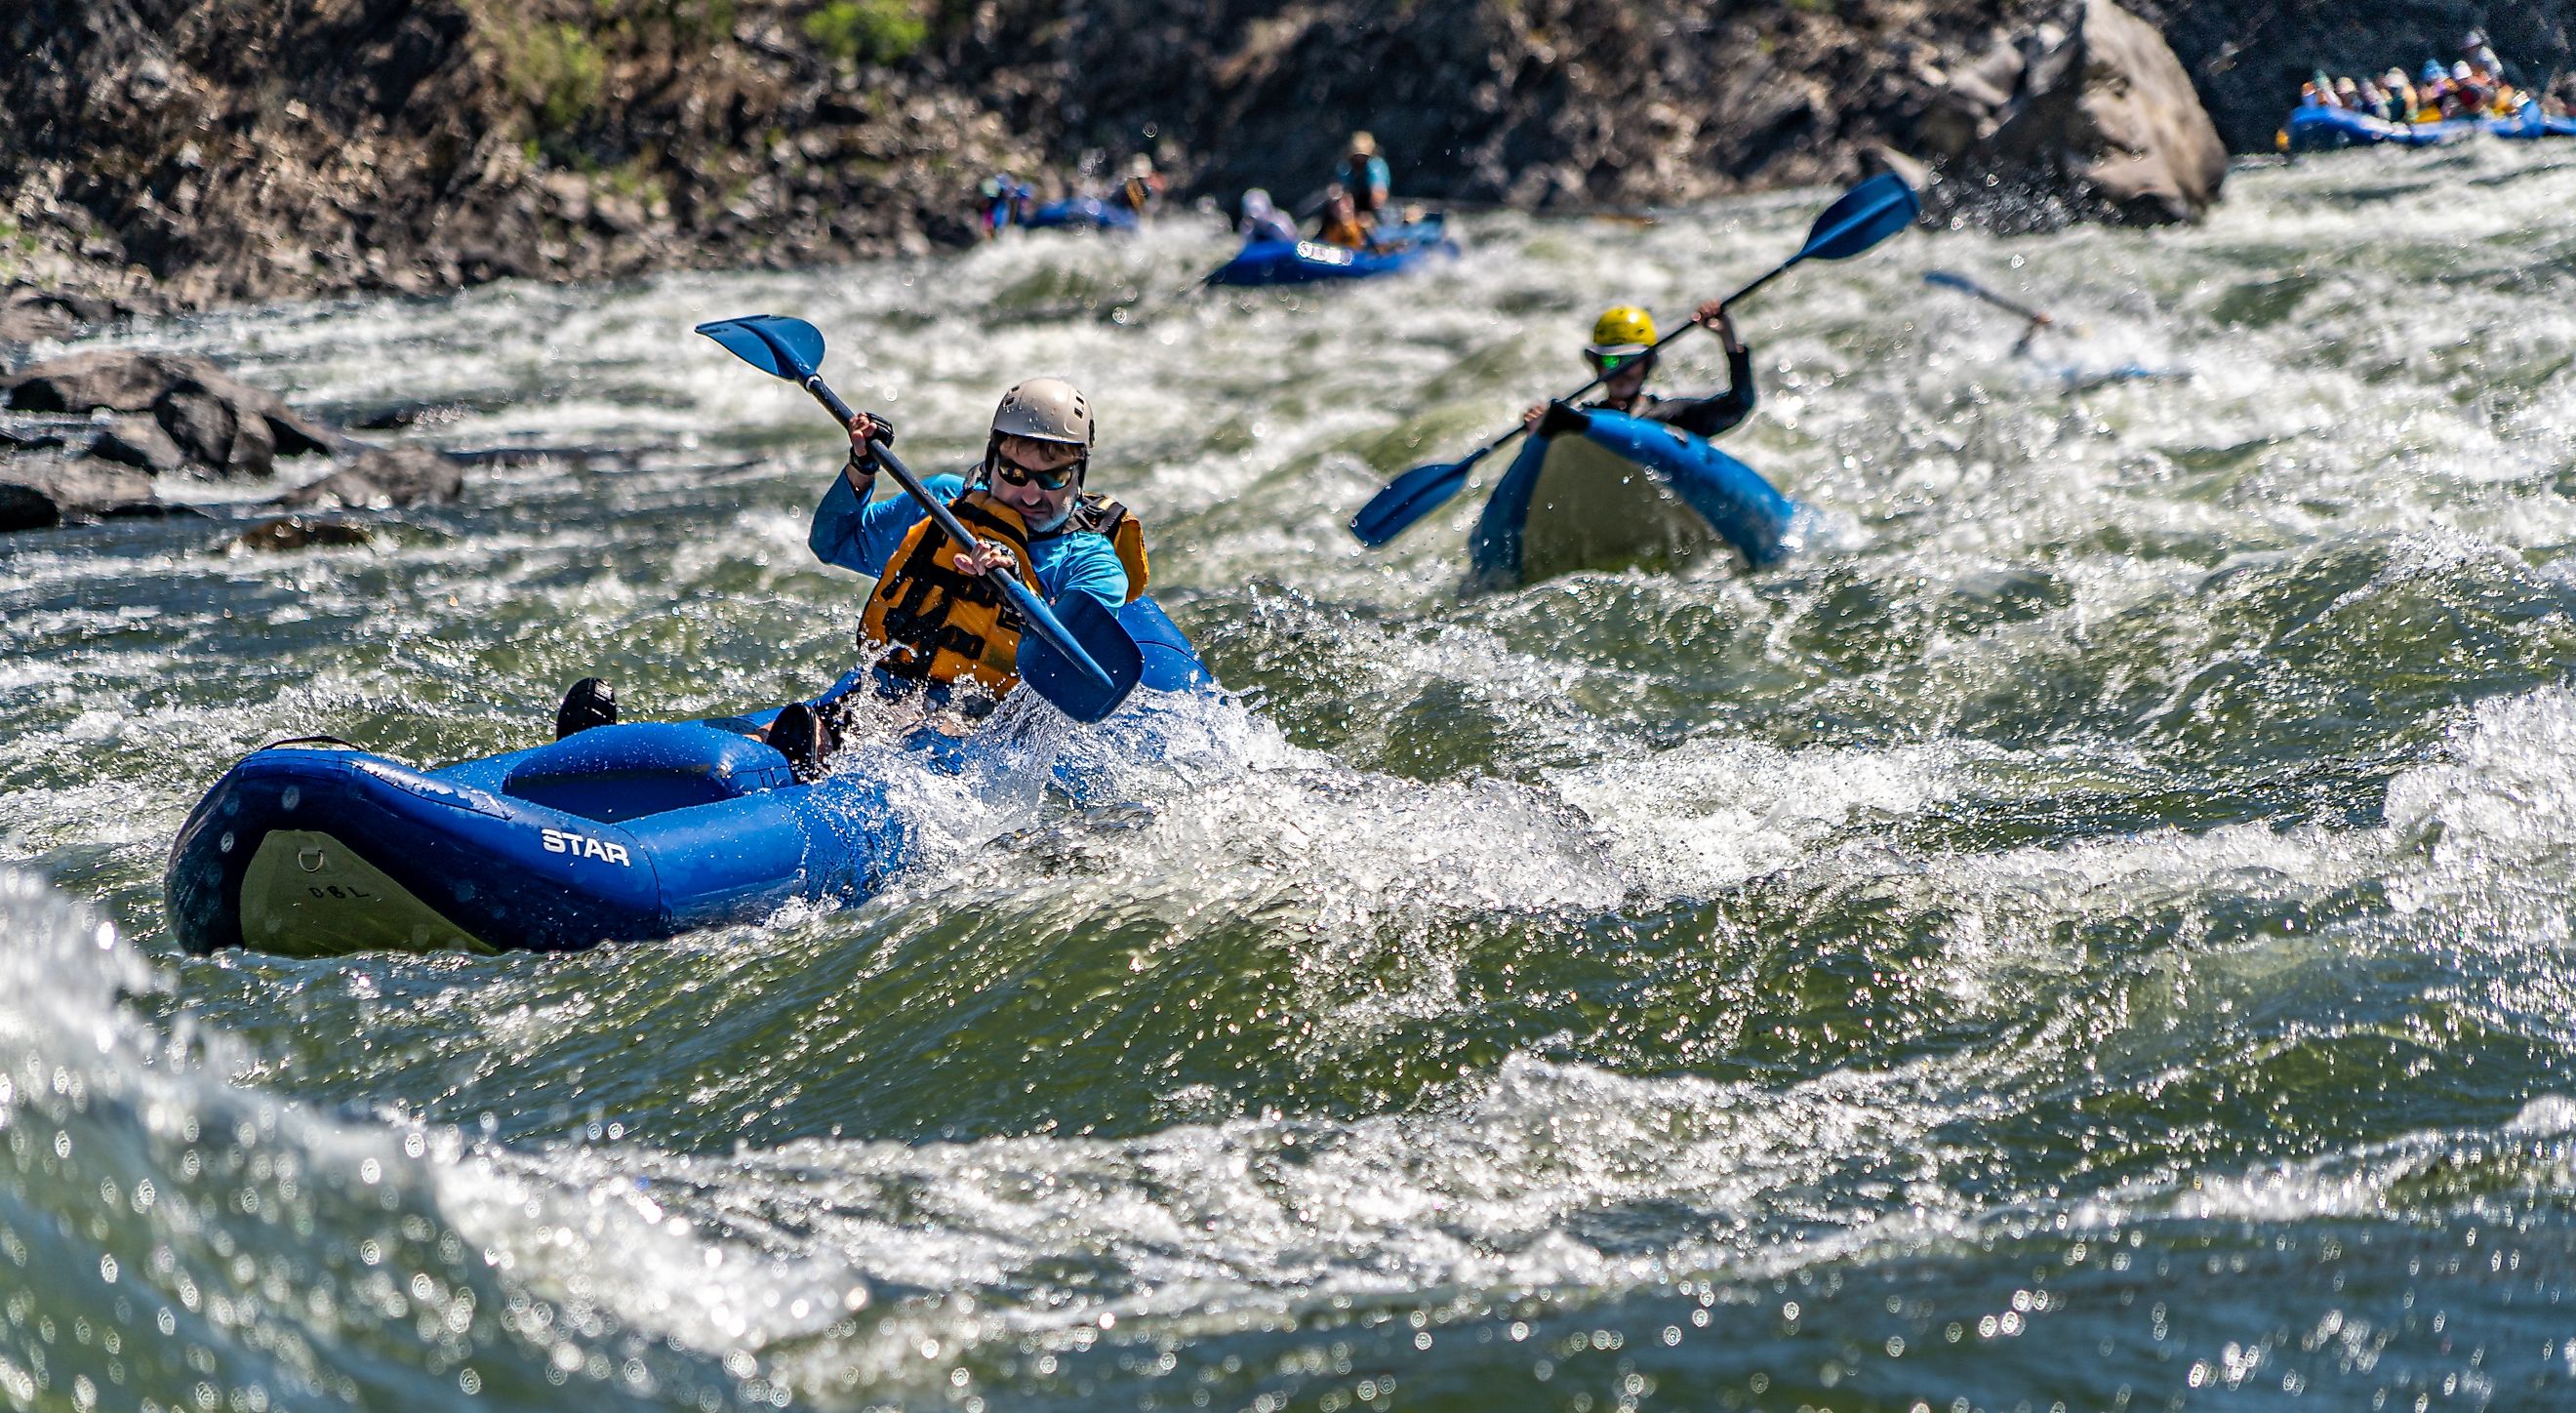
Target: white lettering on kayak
{"type": "Point", "coordinates": [582, 846]}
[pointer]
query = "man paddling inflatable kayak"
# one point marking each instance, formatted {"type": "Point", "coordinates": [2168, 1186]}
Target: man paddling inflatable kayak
{"type": "Point", "coordinates": [960, 618]}
{"type": "Point", "coordinates": [1622, 352]}
{"type": "Point", "coordinates": [1864, 216]}
{"type": "Point", "coordinates": [936, 625]}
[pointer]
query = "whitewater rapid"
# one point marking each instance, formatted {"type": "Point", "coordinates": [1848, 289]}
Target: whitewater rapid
{"type": "Point", "coordinates": [2092, 928]}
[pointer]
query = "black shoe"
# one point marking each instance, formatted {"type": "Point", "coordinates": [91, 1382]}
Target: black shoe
{"type": "Point", "coordinates": [803, 736]}
{"type": "Point", "coordinates": [590, 703]}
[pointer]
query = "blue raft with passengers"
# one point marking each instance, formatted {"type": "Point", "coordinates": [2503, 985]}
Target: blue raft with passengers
{"type": "Point", "coordinates": [1624, 492]}
{"type": "Point", "coordinates": [618, 833]}
{"type": "Point", "coordinates": [2318, 128]}
{"type": "Point", "coordinates": [1292, 262]}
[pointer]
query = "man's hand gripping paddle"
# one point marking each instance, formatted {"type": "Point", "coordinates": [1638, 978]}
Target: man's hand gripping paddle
{"type": "Point", "coordinates": [1866, 214]}
{"type": "Point", "coordinates": [1084, 662]}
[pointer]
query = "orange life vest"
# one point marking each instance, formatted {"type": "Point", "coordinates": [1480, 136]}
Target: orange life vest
{"type": "Point", "coordinates": [939, 624]}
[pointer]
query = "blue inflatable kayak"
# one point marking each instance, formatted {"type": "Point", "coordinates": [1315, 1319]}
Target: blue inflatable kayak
{"type": "Point", "coordinates": [2316, 129]}
{"type": "Point", "coordinates": [1624, 492]}
{"type": "Point", "coordinates": [1292, 262]}
{"type": "Point", "coordinates": [1082, 213]}
{"type": "Point", "coordinates": [617, 833]}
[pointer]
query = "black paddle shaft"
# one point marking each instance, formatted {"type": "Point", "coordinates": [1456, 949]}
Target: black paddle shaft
{"type": "Point", "coordinates": [939, 513]}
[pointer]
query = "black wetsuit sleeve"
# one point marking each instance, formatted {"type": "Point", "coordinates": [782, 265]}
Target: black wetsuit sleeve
{"type": "Point", "coordinates": [1708, 416]}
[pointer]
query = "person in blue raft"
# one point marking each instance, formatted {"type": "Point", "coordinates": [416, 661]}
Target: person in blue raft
{"type": "Point", "coordinates": [1622, 351]}
{"type": "Point", "coordinates": [936, 629]}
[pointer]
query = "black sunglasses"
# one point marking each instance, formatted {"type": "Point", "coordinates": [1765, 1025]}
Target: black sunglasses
{"type": "Point", "coordinates": [1015, 474]}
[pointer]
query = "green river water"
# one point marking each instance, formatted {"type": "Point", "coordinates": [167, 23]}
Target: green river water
{"type": "Point", "coordinates": [2091, 929]}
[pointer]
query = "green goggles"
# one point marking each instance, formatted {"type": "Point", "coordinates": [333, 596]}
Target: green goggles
{"type": "Point", "coordinates": [1611, 363]}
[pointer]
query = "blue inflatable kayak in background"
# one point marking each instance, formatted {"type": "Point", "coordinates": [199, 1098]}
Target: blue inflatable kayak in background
{"type": "Point", "coordinates": [1290, 262]}
{"type": "Point", "coordinates": [2317, 129]}
{"type": "Point", "coordinates": [1082, 213]}
{"type": "Point", "coordinates": [618, 833]}
{"type": "Point", "coordinates": [1625, 492]}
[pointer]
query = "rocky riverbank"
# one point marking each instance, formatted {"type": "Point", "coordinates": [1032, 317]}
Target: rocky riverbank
{"type": "Point", "coordinates": [97, 436]}
{"type": "Point", "coordinates": [162, 155]}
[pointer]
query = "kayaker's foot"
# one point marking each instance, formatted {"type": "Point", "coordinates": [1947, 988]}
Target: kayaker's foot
{"type": "Point", "coordinates": [591, 702]}
{"type": "Point", "coordinates": [802, 735]}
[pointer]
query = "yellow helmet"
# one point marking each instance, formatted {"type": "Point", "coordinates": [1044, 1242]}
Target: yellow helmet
{"type": "Point", "coordinates": [1622, 329]}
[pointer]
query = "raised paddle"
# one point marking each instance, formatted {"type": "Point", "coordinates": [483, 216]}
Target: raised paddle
{"type": "Point", "coordinates": [1084, 662]}
{"type": "Point", "coordinates": [1866, 214]}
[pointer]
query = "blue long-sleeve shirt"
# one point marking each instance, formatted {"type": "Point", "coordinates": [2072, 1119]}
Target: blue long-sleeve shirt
{"type": "Point", "coordinates": [862, 537]}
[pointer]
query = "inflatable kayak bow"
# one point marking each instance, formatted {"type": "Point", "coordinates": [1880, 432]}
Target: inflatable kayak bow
{"type": "Point", "coordinates": [1623, 492]}
{"type": "Point", "coordinates": [618, 833]}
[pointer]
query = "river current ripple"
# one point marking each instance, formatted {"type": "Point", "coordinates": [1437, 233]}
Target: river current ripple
{"type": "Point", "coordinates": [2091, 930]}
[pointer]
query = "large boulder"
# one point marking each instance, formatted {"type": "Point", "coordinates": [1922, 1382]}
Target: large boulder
{"type": "Point", "coordinates": [217, 422]}
{"type": "Point", "coordinates": [2088, 117]}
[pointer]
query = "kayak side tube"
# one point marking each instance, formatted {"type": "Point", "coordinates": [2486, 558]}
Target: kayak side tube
{"type": "Point", "coordinates": [310, 852]}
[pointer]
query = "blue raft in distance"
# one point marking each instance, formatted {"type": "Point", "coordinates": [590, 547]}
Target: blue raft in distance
{"type": "Point", "coordinates": [619, 833]}
{"type": "Point", "coordinates": [1082, 213]}
{"type": "Point", "coordinates": [1624, 493]}
{"type": "Point", "coordinates": [2319, 128]}
{"type": "Point", "coordinates": [1294, 262]}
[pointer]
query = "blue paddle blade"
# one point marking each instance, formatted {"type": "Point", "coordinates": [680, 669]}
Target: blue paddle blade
{"type": "Point", "coordinates": [1867, 214]}
{"type": "Point", "coordinates": [1077, 693]}
{"type": "Point", "coordinates": [1408, 498]}
{"type": "Point", "coordinates": [775, 344]}
{"type": "Point", "coordinates": [1947, 280]}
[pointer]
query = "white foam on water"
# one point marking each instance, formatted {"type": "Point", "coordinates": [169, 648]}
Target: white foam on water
{"type": "Point", "coordinates": [1711, 814]}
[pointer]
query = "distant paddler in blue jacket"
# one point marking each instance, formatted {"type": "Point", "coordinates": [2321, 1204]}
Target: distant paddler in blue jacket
{"type": "Point", "coordinates": [936, 626]}
{"type": "Point", "coordinates": [1622, 351]}
{"type": "Point", "coordinates": [1365, 177]}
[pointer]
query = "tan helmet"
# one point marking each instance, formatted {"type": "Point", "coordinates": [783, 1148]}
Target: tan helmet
{"type": "Point", "coordinates": [1047, 409]}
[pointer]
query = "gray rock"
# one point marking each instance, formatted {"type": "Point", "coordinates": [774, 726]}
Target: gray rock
{"type": "Point", "coordinates": [2156, 154]}
{"type": "Point", "coordinates": [217, 421]}
{"type": "Point", "coordinates": [139, 442]}
{"type": "Point", "coordinates": [295, 532]}
{"type": "Point", "coordinates": [47, 489]}
{"type": "Point", "coordinates": [380, 479]}
{"type": "Point", "coordinates": [216, 432]}
{"type": "Point", "coordinates": [2101, 124]}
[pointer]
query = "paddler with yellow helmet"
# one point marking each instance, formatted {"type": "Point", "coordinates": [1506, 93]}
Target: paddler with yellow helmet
{"type": "Point", "coordinates": [1622, 352]}
{"type": "Point", "coordinates": [939, 628]}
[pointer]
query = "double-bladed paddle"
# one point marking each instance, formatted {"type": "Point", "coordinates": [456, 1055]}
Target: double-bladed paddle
{"type": "Point", "coordinates": [2038, 319]}
{"type": "Point", "coordinates": [1085, 662]}
{"type": "Point", "coordinates": [1864, 216]}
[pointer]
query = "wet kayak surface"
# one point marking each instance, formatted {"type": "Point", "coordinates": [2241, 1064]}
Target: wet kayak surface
{"type": "Point", "coordinates": [2089, 926]}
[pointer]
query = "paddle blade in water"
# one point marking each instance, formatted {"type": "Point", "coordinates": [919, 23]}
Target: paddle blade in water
{"type": "Point", "coordinates": [1046, 670]}
{"type": "Point", "coordinates": [1408, 498]}
{"type": "Point", "coordinates": [775, 344]}
{"type": "Point", "coordinates": [1867, 214]}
